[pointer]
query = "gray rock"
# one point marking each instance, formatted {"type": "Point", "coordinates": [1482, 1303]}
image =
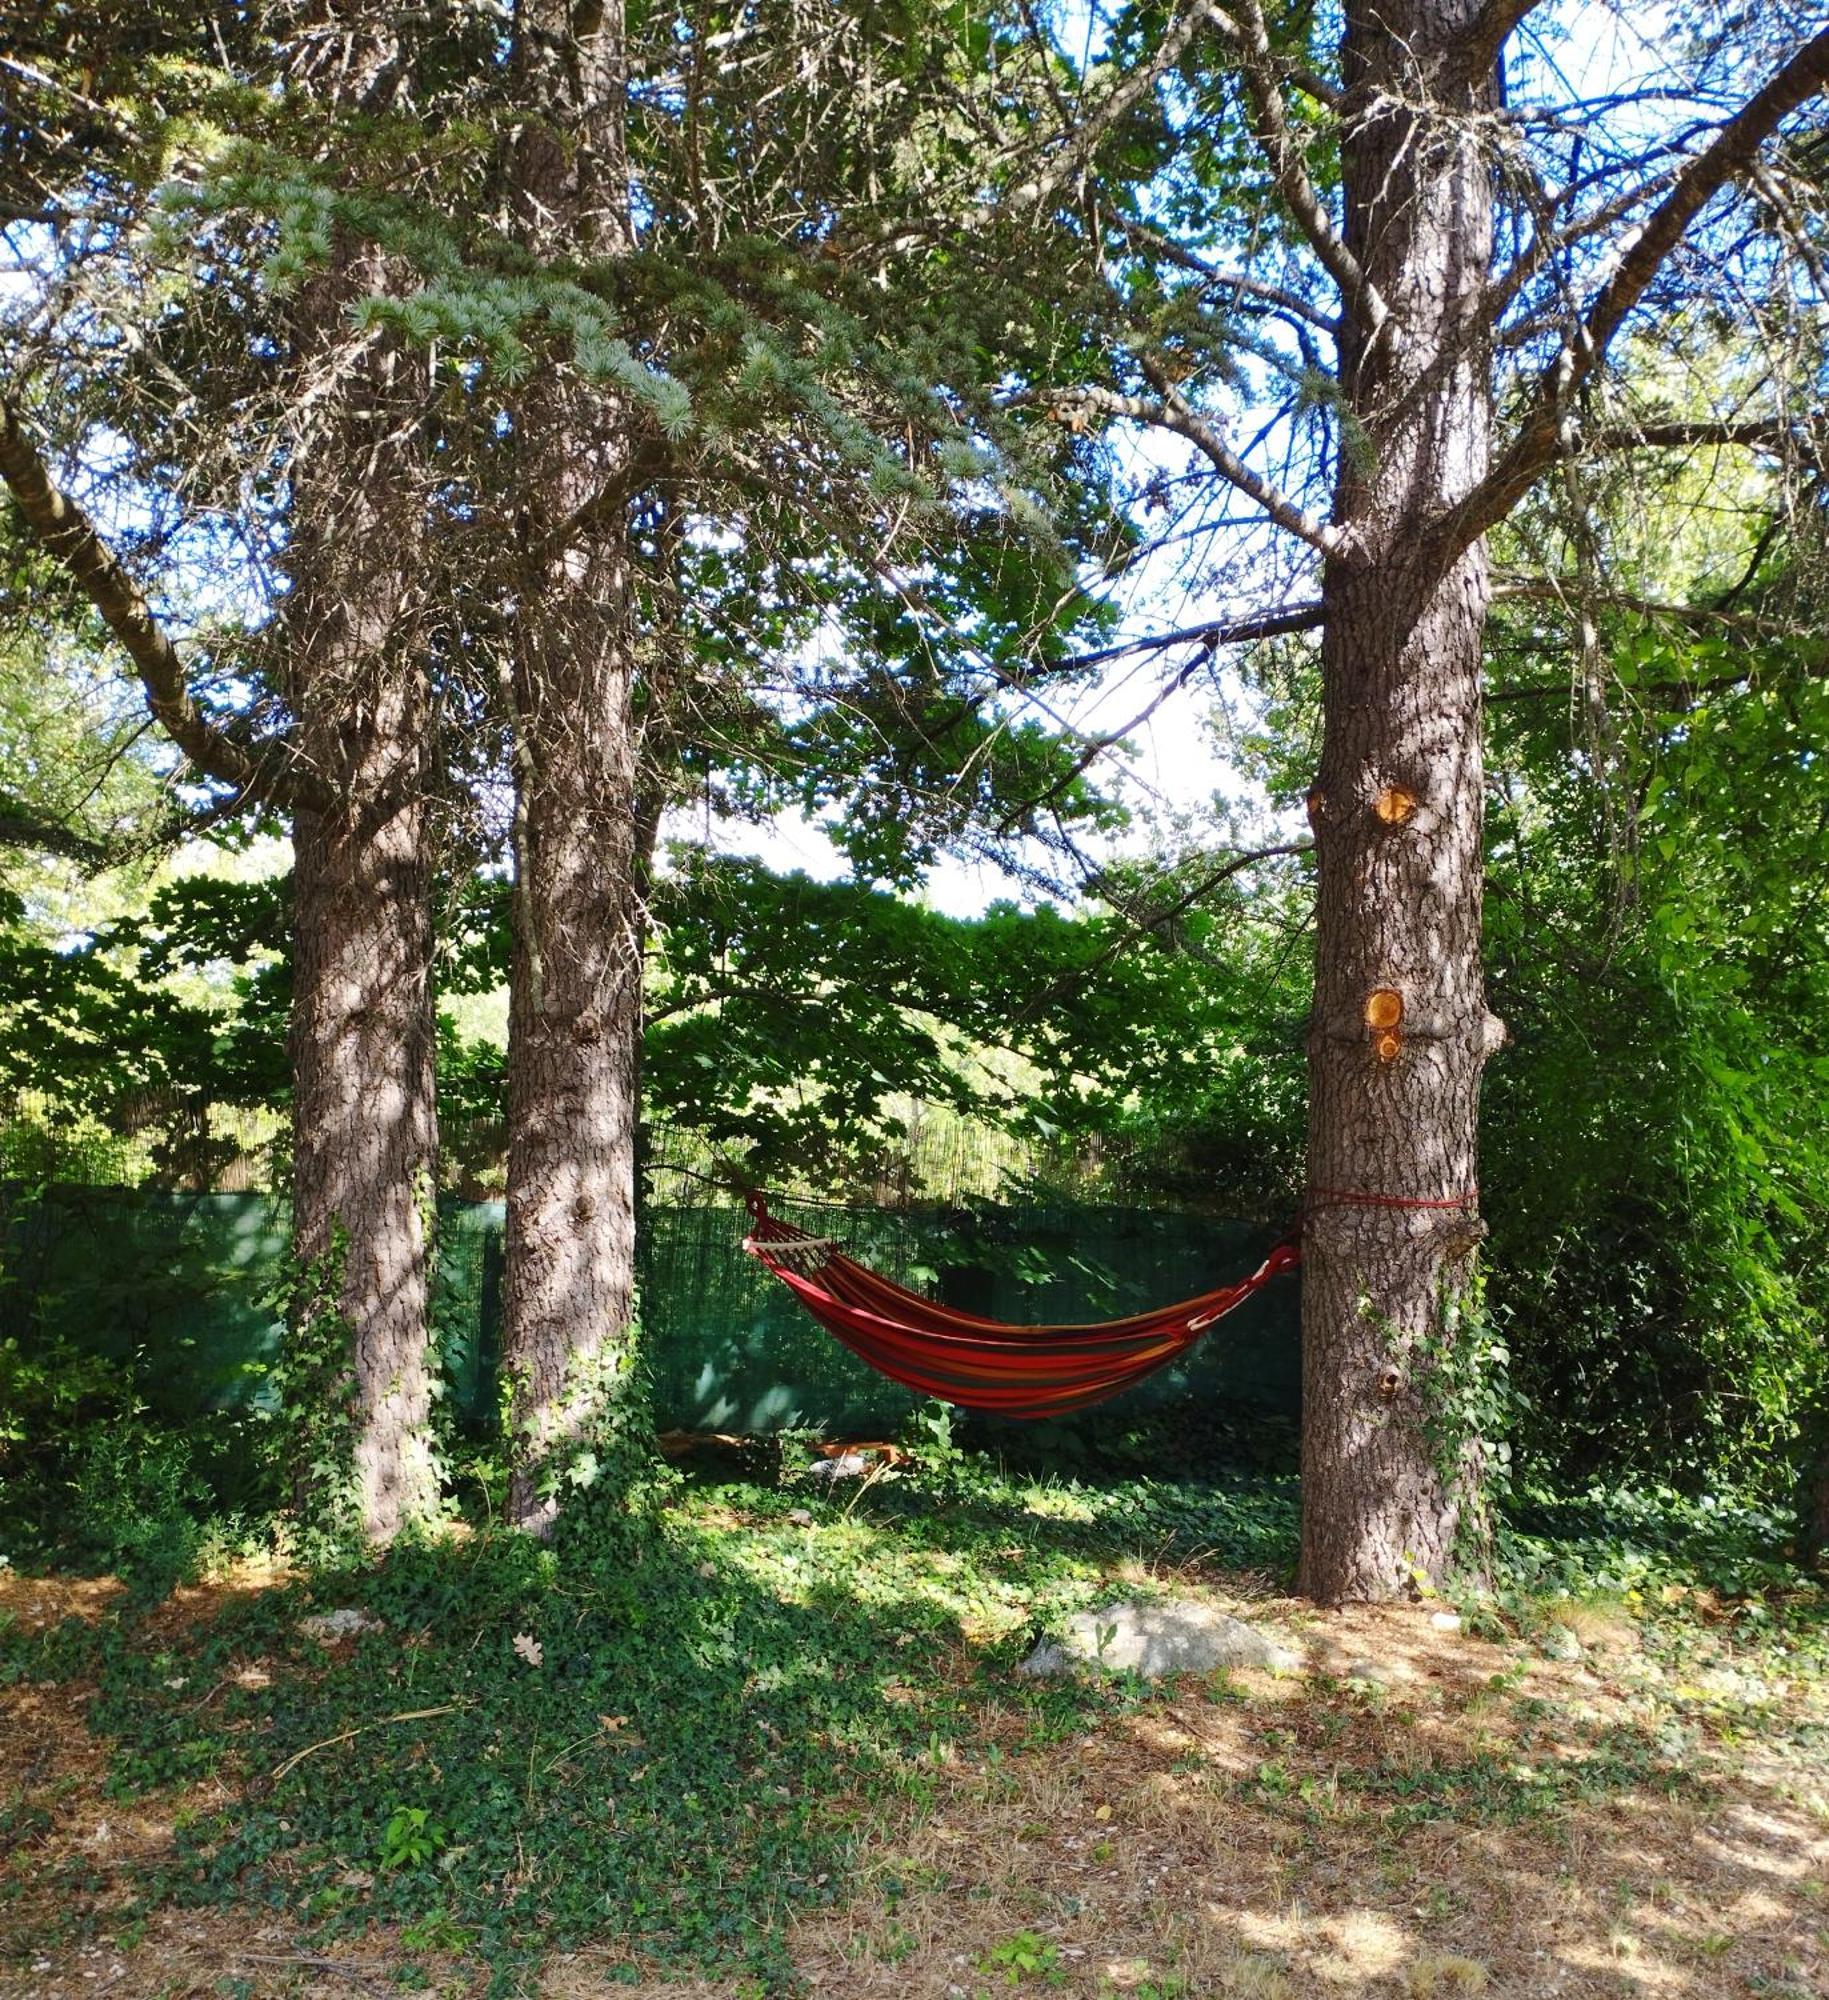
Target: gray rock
{"type": "Point", "coordinates": [847, 1465]}
{"type": "Point", "coordinates": [326, 1626]}
{"type": "Point", "coordinates": [1559, 1643]}
{"type": "Point", "coordinates": [1171, 1636]}
{"type": "Point", "coordinates": [1730, 1684]}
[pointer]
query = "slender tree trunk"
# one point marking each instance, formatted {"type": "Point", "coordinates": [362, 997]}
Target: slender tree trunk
{"type": "Point", "coordinates": [575, 1005]}
{"type": "Point", "coordinates": [362, 1031]}
{"type": "Point", "coordinates": [1813, 1496]}
{"type": "Point", "coordinates": [1400, 1032]}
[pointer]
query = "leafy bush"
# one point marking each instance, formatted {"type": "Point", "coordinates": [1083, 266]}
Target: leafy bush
{"type": "Point", "coordinates": [138, 1504]}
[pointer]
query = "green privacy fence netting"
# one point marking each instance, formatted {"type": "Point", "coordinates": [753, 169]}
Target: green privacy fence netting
{"type": "Point", "coordinates": [187, 1280]}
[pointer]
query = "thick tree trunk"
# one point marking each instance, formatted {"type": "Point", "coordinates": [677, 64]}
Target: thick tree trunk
{"type": "Point", "coordinates": [577, 1410]}
{"type": "Point", "coordinates": [364, 1161]}
{"type": "Point", "coordinates": [1400, 1031]}
{"type": "Point", "coordinates": [574, 1037]}
{"type": "Point", "coordinates": [363, 1030]}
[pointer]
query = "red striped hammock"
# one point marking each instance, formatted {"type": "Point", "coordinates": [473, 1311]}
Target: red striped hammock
{"type": "Point", "coordinates": [983, 1364]}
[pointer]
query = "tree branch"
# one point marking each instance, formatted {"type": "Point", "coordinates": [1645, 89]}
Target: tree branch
{"type": "Point", "coordinates": [1173, 413]}
{"type": "Point", "coordinates": [1694, 434]}
{"type": "Point", "coordinates": [1699, 617]}
{"type": "Point", "coordinates": [1236, 282]}
{"type": "Point", "coordinates": [260, 771]}
{"type": "Point", "coordinates": [1479, 48]}
{"type": "Point", "coordinates": [22, 825]}
{"type": "Point", "coordinates": [1224, 632]}
{"type": "Point", "coordinates": [1270, 128]}
{"type": "Point", "coordinates": [1732, 152]}
{"type": "Point", "coordinates": [1083, 142]}
{"type": "Point", "coordinates": [1150, 922]}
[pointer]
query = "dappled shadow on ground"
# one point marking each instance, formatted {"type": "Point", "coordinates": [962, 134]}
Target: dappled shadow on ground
{"type": "Point", "coordinates": [1486, 1822]}
{"type": "Point", "coordinates": [698, 1743]}
{"type": "Point", "coordinates": [662, 1741]}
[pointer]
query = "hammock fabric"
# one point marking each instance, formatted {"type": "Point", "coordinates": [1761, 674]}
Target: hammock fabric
{"type": "Point", "coordinates": [983, 1364]}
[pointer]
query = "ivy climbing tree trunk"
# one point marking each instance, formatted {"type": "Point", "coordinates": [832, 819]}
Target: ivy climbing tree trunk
{"type": "Point", "coordinates": [1400, 1031]}
{"type": "Point", "coordinates": [363, 1034]}
{"type": "Point", "coordinates": [575, 1005]}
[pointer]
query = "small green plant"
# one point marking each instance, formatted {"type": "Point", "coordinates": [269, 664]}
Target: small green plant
{"type": "Point", "coordinates": [929, 1430]}
{"type": "Point", "coordinates": [435, 1931]}
{"type": "Point", "coordinates": [1027, 1955]}
{"type": "Point", "coordinates": [413, 1839]}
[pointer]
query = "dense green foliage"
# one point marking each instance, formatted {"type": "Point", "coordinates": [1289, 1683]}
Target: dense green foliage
{"type": "Point", "coordinates": [1658, 1146]}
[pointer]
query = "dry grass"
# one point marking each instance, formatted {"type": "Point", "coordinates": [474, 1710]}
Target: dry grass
{"type": "Point", "coordinates": [1152, 1854]}
{"type": "Point", "coordinates": [1244, 1841]}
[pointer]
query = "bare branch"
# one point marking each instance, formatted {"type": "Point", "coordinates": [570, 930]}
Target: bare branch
{"type": "Point", "coordinates": [1697, 617]}
{"type": "Point", "coordinates": [1225, 632]}
{"type": "Point", "coordinates": [1270, 127]}
{"type": "Point", "coordinates": [1681, 692]}
{"type": "Point", "coordinates": [1694, 434]}
{"type": "Point", "coordinates": [1237, 282]}
{"type": "Point", "coordinates": [1151, 921]}
{"type": "Point", "coordinates": [1733, 152]}
{"type": "Point", "coordinates": [261, 771]}
{"type": "Point", "coordinates": [1173, 413]}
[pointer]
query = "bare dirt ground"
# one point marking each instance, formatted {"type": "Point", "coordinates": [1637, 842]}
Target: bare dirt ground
{"type": "Point", "coordinates": [1478, 1820]}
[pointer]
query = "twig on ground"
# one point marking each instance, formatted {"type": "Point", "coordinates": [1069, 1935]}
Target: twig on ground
{"type": "Point", "coordinates": [330, 1742]}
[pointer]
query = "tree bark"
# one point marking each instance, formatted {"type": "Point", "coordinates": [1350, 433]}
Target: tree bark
{"type": "Point", "coordinates": [350, 647]}
{"type": "Point", "coordinates": [574, 1035]}
{"type": "Point", "coordinates": [1400, 1031]}
{"type": "Point", "coordinates": [363, 1030]}
{"type": "Point", "coordinates": [575, 1004]}
{"type": "Point", "coordinates": [365, 1145]}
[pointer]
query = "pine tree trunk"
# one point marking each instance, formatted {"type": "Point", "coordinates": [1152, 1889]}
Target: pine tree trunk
{"type": "Point", "coordinates": [574, 1037]}
{"type": "Point", "coordinates": [365, 1156]}
{"type": "Point", "coordinates": [363, 1035]}
{"type": "Point", "coordinates": [575, 1004]}
{"type": "Point", "coordinates": [1390, 1467]}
